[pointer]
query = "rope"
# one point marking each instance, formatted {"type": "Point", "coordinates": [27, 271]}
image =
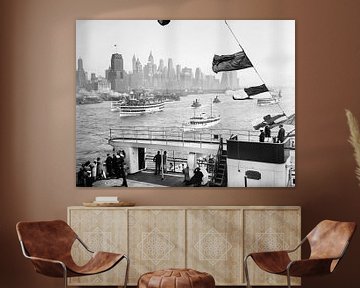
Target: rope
{"type": "Point", "coordinates": [251, 63]}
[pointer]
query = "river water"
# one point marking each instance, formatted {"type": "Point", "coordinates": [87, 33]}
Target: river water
{"type": "Point", "coordinates": [93, 121]}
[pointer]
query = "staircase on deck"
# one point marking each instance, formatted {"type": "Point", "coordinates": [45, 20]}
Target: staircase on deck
{"type": "Point", "coordinates": [219, 178]}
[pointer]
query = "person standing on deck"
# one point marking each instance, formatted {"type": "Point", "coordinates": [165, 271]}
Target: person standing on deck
{"type": "Point", "coordinates": [93, 171]}
{"type": "Point", "coordinates": [267, 133]}
{"type": "Point", "coordinates": [281, 134]}
{"type": "Point", "coordinates": [108, 164]}
{"type": "Point", "coordinates": [157, 160]}
{"type": "Point", "coordinates": [114, 165]}
{"type": "Point", "coordinates": [99, 170]}
{"type": "Point", "coordinates": [262, 136]}
{"type": "Point", "coordinates": [122, 168]}
{"type": "Point", "coordinates": [164, 162]}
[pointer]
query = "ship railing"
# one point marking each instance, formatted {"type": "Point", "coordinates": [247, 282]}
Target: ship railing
{"type": "Point", "coordinates": [178, 134]}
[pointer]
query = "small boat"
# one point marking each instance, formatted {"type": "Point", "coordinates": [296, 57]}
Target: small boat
{"type": "Point", "coordinates": [216, 99]}
{"type": "Point", "coordinates": [202, 121]}
{"type": "Point", "coordinates": [268, 101]}
{"type": "Point", "coordinates": [196, 103]}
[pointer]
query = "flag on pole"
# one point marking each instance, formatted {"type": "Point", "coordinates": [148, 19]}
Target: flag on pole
{"type": "Point", "coordinates": [251, 91]}
{"type": "Point", "coordinates": [231, 62]}
{"type": "Point", "coordinates": [259, 92]}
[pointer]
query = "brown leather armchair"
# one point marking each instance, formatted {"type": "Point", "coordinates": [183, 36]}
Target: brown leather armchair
{"type": "Point", "coordinates": [48, 245]}
{"type": "Point", "coordinates": [328, 242]}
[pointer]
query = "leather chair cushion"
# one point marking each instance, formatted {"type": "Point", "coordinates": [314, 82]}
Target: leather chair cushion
{"type": "Point", "coordinates": [176, 278]}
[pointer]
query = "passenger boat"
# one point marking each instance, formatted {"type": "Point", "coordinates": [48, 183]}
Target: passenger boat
{"type": "Point", "coordinates": [137, 103]}
{"type": "Point", "coordinates": [201, 121]}
{"type": "Point", "coordinates": [136, 107]}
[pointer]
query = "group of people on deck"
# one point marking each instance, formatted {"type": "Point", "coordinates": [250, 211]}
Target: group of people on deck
{"type": "Point", "coordinates": [265, 136]}
{"type": "Point", "coordinates": [114, 167]}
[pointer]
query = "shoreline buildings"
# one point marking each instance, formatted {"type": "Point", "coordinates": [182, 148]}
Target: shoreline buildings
{"type": "Point", "coordinates": [160, 77]}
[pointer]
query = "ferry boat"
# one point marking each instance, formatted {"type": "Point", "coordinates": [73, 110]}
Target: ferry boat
{"type": "Point", "coordinates": [216, 99]}
{"type": "Point", "coordinates": [196, 104]}
{"type": "Point", "coordinates": [202, 121]}
{"type": "Point", "coordinates": [134, 107]}
{"type": "Point", "coordinates": [137, 103]}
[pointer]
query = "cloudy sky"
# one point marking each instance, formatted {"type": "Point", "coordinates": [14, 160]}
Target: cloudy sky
{"type": "Point", "coordinates": [270, 44]}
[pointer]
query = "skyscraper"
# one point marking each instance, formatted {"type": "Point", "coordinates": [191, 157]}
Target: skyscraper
{"type": "Point", "coordinates": [81, 78]}
{"type": "Point", "coordinates": [116, 73]}
{"type": "Point", "coordinates": [134, 63]}
{"type": "Point", "coordinates": [171, 71]}
{"type": "Point", "coordinates": [161, 66]}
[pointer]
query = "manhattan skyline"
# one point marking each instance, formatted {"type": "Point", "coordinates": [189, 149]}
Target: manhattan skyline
{"type": "Point", "coordinates": [269, 44]}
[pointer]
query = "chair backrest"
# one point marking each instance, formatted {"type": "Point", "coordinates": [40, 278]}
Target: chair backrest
{"type": "Point", "coordinates": [46, 239]}
{"type": "Point", "coordinates": [329, 239]}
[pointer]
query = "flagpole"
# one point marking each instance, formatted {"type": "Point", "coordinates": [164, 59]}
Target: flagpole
{"type": "Point", "coordinates": [243, 50]}
{"type": "Point", "coordinates": [234, 35]}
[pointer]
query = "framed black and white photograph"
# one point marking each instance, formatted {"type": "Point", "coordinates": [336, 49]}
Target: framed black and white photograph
{"type": "Point", "coordinates": [185, 103]}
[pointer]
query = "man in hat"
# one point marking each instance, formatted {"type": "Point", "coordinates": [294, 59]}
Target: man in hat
{"type": "Point", "coordinates": [262, 136]}
{"type": "Point", "coordinates": [281, 134]}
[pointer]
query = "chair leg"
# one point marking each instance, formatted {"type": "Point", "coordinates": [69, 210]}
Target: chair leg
{"type": "Point", "coordinates": [246, 272]}
{"type": "Point", "coordinates": [127, 271]}
{"type": "Point", "coordinates": [288, 278]}
{"type": "Point", "coordinates": [65, 276]}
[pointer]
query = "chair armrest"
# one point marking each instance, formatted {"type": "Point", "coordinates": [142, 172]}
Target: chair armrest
{"type": "Point", "coordinates": [48, 267]}
{"type": "Point", "coordinates": [271, 261]}
{"type": "Point", "coordinates": [309, 267]}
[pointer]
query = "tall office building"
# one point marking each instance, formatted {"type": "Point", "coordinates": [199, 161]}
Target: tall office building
{"type": "Point", "coordinates": [171, 71]}
{"type": "Point", "coordinates": [116, 73]}
{"type": "Point", "coordinates": [198, 78]}
{"type": "Point", "coordinates": [186, 78]}
{"type": "Point", "coordinates": [178, 72]}
{"type": "Point", "coordinates": [134, 63]}
{"type": "Point", "coordinates": [81, 77]}
{"type": "Point", "coordinates": [161, 66]}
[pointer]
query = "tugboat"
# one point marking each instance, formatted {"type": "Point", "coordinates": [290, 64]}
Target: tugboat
{"type": "Point", "coordinates": [216, 99]}
{"type": "Point", "coordinates": [195, 104]}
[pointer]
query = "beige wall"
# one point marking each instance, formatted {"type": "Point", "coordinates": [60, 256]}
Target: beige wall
{"type": "Point", "coordinates": [37, 112]}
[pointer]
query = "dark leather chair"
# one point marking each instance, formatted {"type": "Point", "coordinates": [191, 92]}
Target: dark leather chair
{"type": "Point", "coordinates": [328, 242]}
{"type": "Point", "coordinates": [48, 245]}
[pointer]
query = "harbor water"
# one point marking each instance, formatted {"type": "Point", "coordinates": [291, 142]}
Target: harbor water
{"type": "Point", "coordinates": [93, 121]}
